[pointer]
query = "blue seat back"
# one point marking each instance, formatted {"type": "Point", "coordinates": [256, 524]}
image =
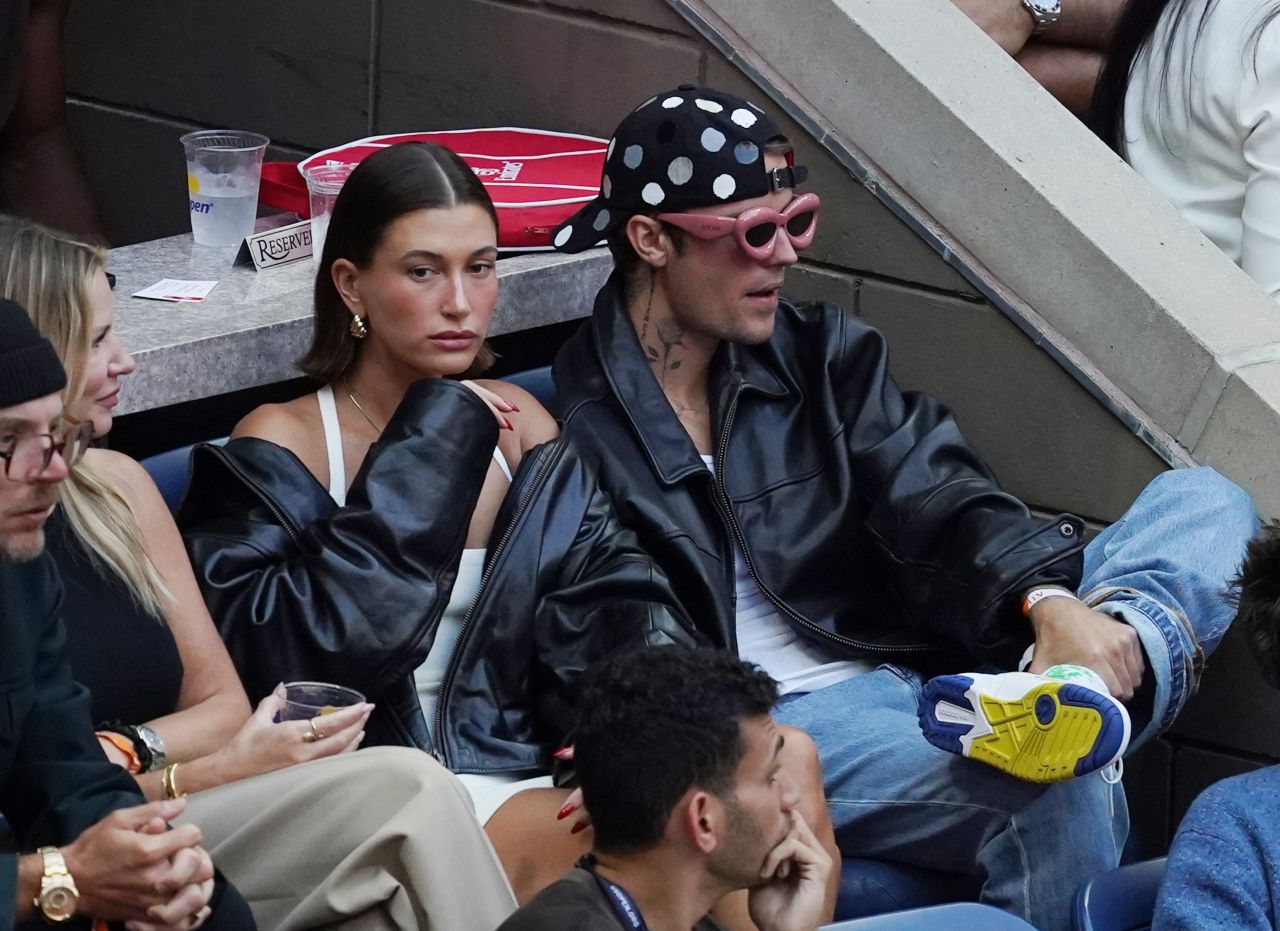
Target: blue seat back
{"type": "Point", "coordinates": [171, 471]}
{"type": "Point", "coordinates": [870, 887]}
{"type": "Point", "coordinates": [535, 381]}
{"type": "Point", "coordinates": [959, 916]}
{"type": "Point", "coordinates": [1123, 899]}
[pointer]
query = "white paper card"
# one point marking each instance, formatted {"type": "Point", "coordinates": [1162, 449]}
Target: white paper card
{"type": "Point", "coordinates": [176, 289]}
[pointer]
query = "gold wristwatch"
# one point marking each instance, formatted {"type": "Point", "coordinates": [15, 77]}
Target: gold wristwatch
{"type": "Point", "coordinates": [58, 896]}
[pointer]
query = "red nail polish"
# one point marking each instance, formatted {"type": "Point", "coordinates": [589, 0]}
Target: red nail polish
{"type": "Point", "coordinates": [508, 423]}
{"type": "Point", "coordinates": [578, 828]}
{"type": "Point", "coordinates": [566, 811]}
{"type": "Point", "coordinates": [564, 753]}
{"type": "Point", "coordinates": [514, 406]}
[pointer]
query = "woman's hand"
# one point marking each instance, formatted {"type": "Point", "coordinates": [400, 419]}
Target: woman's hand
{"type": "Point", "coordinates": [262, 746]}
{"type": "Point", "coordinates": [498, 405]}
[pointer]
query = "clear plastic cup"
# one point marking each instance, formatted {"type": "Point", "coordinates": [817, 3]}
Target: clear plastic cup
{"type": "Point", "coordinates": [323, 184]}
{"type": "Point", "coordinates": [306, 700]}
{"type": "Point", "coordinates": [224, 168]}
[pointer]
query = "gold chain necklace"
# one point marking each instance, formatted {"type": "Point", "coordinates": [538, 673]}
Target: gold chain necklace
{"type": "Point", "coordinates": [352, 395]}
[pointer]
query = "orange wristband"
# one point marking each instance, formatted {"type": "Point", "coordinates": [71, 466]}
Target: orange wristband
{"type": "Point", "coordinates": [125, 746]}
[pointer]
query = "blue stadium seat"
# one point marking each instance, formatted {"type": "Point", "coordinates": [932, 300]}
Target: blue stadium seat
{"type": "Point", "coordinates": [535, 381]}
{"type": "Point", "coordinates": [171, 470]}
{"type": "Point", "coordinates": [959, 916]}
{"type": "Point", "coordinates": [1123, 899]}
{"type": "Point", "coordinates": [872, 887]}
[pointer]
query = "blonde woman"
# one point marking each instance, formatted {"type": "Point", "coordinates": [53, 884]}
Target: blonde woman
{"type": "Point", "coordinates": [311, 834]}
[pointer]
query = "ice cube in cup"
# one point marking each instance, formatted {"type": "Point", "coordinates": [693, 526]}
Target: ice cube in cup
{"type": "Point", "coordinates": [306, 700]}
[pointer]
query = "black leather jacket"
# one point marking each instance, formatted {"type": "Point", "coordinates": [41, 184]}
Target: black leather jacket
{"type": "Point", "coordinates": [865, 516]}
{"type": "Point", "coordinates": [303, 589]}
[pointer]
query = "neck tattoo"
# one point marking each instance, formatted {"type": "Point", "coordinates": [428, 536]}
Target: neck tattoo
{"type": "Point", "coordinates": [364, 413]}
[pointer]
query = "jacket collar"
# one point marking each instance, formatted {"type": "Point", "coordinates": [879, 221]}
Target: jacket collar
{"type": "Point", "coordinates": [671, 452]}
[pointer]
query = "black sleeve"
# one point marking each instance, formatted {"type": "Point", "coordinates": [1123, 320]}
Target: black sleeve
{"type": "Point", "coordinates": [959, 551]}
{"type": "Point", "coordinates": [610, 595]}
{"type": "Point", "coordinates": [60, 782]}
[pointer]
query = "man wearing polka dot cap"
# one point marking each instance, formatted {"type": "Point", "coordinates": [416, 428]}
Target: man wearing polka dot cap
{"type": "Point", "coordinates": [822, 523]}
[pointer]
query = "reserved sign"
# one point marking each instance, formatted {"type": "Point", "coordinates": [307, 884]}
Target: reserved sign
{"type": "Point", "coordinates": [279, 246]}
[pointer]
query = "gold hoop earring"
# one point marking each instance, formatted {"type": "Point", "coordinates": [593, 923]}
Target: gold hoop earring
{"type": "Point", "coordinates": [358, 328]}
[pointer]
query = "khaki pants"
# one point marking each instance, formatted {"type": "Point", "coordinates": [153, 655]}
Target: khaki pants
{"type": "Point", "coordinates": [383, 838]}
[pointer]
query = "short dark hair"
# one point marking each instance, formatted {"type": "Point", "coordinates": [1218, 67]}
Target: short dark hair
{"type": "Point", "coordinates": [1258, 600]}
{"type": "Point", "coordinates": [625, 258]}
{"type": "Point", "coordinates": [385, 186]}
{"type": "Point", "coordinates": [655, 722]}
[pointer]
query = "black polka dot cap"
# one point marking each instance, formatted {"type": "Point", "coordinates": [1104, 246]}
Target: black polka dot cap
{"type": "Point", "coordinates": [688, 147]}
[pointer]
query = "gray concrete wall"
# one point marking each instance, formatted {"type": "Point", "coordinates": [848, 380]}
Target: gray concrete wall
{"type": "Point", "coordinates": [315, 74]}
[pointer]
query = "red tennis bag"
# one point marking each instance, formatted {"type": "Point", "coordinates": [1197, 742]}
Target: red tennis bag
{"type": "Point", "coordinates": [536, 178]}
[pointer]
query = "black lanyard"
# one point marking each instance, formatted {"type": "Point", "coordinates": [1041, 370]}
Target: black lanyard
{"type": "Point", "coordinates": [623, 905]}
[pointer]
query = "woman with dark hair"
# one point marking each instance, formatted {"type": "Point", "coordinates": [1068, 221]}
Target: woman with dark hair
{"type": "Point", "coordinates": [427, 541]}
{"type": "Point", "coordinates": [1190, 98]}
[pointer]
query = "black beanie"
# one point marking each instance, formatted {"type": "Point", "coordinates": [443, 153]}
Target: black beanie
{"type": "Point", "coordinates": [29, 368]}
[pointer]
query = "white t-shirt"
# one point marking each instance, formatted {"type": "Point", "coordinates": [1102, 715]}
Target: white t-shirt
{"type": "Point", "coordinates": [767, 639]}
{"type": "Point", "coordinates": [1211, 143]}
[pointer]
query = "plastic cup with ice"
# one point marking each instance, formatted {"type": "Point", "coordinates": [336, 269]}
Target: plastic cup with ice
{"type": "Point", "coordinates": [224, 168]}
{"type": "Point", "coordinates": [324, 182]}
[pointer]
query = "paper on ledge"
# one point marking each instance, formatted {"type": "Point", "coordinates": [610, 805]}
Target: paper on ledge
{"type": "Point", "coordinates": [177, 289]}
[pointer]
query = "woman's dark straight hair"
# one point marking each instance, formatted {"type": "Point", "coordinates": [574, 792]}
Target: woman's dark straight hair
{"type": "Point", "coordinates": [396, 181]}
{"type": "Point", "coordinates": [1136, 28]}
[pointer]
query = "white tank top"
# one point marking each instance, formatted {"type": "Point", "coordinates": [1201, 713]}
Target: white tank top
{"type": "Point", "coordinates": [766, 639]}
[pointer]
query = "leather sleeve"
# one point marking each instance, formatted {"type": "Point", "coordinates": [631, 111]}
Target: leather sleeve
{"type": "Point", "coordinates": [358, 590]}
{"type": "Point", "coordinates": [959, 552]}
{"type": "Point", "coordinates": [610, 594]}
{"type": "Point", "coordinates": [60, 783]}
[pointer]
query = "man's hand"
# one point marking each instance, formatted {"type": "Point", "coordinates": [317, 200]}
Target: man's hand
{"type": "Point", "coordinates": [793, 896]}
{"type": "Point", "coordinates": [1068, 631]}
{"type": "Point", "coordinates": [1007, 22]}
{"type": "Point", "coordinates": [129, 867]}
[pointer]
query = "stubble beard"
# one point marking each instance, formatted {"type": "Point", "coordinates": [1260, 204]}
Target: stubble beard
{"type": "Point", "coordinates": [13, 551]}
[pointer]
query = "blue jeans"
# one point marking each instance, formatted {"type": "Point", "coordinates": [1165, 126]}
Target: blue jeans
{"type": "Point", "coordinates": [1164, 568]}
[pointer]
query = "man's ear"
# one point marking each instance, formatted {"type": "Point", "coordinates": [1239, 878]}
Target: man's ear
{"type": "Point", "coordinates": [650, 240]}
{"type": "Point", "coordinates": [702, 820]}
{"type": "Point", "coordinates": [345, 274]}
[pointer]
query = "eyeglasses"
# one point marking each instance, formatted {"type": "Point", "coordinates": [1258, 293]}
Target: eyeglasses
{"type": "Point", "coordinates": [29, 456]}
{"type": "Point", "coordinates": [757, 229]}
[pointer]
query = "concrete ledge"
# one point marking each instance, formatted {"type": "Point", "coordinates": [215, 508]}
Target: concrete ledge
{"type": "Point", "coordinates": [254, 325]}
{"type": "Point", "coordinates": [988, 162]}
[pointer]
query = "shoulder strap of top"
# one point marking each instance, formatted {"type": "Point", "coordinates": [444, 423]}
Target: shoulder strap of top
{"type": "Point", "coordinates": [501, 460]}
{"type": "Point", "coordinates": [333, 444]}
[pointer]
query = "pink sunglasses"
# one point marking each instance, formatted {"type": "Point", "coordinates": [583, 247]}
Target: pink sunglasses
{"type": "Point", "coordinates": [757, 229]}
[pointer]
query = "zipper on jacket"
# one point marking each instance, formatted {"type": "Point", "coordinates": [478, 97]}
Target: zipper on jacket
{"type": "Point", "coordinates": [437, 732]}
{"type": "Point", "coordinates": [281, 518]}
{"type": "Point", "coordinates": [726, 507]}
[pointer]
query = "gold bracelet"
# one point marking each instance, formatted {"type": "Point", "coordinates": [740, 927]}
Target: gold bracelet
{"type": "Point", "coordinates": [170, 782]}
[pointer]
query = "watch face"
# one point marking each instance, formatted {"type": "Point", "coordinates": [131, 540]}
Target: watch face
{"type": "Point", "coordinates": [58, 903]}
{"type": "Point", "coordinates": [154, 743]}
{"type": "Point", "coordinates": [1049, 7]}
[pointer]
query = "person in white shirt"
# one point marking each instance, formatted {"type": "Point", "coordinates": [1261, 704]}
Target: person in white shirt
{"type": "Point", "coordinates": [1191, 99]}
